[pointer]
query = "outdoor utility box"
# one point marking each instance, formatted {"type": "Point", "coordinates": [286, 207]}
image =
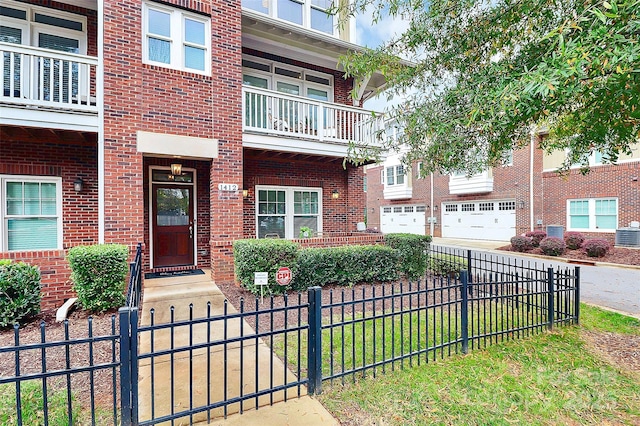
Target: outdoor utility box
{"type": "Point", "coordinates": [629, 237]}
{"type": "Point", "coordinates": [555, 231]}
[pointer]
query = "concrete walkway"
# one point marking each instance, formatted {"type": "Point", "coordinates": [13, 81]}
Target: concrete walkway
{"type": "Point", "coordinates": [173, 383]}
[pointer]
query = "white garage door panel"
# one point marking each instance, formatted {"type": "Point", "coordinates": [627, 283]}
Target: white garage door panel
{"type": "Point", "coordinates": [407, 221]}
{"type": "Point", "coordinates": [481, 220]}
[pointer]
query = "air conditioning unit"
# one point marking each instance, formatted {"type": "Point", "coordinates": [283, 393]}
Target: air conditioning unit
{"type": "Point", "coordinates": [629, 237]}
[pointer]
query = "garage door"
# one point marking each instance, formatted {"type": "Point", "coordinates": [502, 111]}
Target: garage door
{"type": "Point", "coordinates": [406, 219]}
{"type": "Point", "coordinates": [479, 220]}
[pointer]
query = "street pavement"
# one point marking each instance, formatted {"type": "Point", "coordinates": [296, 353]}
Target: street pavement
{"type": "Point", "coordinates": [614, 287]}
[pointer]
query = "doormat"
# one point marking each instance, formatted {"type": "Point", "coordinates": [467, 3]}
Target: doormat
{"type": "Point", "coordinates": [167, 274]}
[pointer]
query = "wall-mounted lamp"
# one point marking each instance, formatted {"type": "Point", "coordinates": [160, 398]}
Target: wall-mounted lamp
{"type": "Point", "coordinates": [335, 194]}
{"type": "Point", "coordinates": [521, 204]}
{"type": "Point", "coordinates": [78, 184]}
{"type": "Point", "coordinates": [245, 193]}
{"type": "Point", "coordinates": [435, 208]}
{"type": "Point", "coordinates": [176, 169]}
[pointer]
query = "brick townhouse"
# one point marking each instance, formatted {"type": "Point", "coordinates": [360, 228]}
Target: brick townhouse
{"type": "Point", "coordinates": [180, 124]}
{"type": "Point", "coordinates": [523, 194]}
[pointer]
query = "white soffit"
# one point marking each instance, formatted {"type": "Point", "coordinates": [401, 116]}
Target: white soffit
{"type": "Point", "coordinates": [176, 145]}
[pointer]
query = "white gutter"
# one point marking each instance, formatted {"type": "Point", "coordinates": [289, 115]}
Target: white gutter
{"type": "Point", "coordinates": [532, 151]}
{"type": "Point", "coordinates": [431, 224]}
{"type": "Point", "coordinates": [100, 103]}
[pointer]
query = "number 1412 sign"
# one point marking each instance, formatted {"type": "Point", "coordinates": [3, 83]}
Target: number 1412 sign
{"type": "Point", "coordinates": [228, 187]}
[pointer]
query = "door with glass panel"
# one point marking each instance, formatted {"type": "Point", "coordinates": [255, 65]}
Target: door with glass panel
{"type": "Point", "coordinates": [173, 225]}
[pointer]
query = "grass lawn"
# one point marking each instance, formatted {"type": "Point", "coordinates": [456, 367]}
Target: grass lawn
{"type": "Point", "coordinates": [551, 378]}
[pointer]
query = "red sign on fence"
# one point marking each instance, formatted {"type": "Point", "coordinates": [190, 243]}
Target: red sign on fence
{"type": "Point", "coordinates": [283, 276]}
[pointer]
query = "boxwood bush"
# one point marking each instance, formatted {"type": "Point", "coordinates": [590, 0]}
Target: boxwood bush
{"type": "Point", "coordinates": [345, 266]}
{"type": "Point", "coordinates": [521, 244]}
{"type": "Point", "coordinates": [573, 240]}
{"type": "Point", "coordinates": [264, 255]}
{"type": "Point", "coordinates": [552, 246]}
{"type": "Point", "coordinates": [99, 275]}
{"type": "Point", "coordinates": [412, 253]}
{"type": "Point", "coordinates": [447, 264]}
{"type": "Point", "coordinates": [19, 292]}
{"type": "Point", "coordinates": [596, 247]}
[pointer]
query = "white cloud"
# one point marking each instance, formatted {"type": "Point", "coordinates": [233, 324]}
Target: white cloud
{"type": "Point", "coordinates": [372, 35]}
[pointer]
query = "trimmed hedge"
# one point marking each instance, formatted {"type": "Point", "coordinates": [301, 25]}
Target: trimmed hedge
{"type": "Point", "coordinates": [521, 244]}
{"type": "Point", "coordinates": [447, 264]}
{"type": "Point", "coordinates": [264, 255]}
{"type": "Point", "coordinates": [19, 292]}
{"type": "Point", "coordinates": [345, 266]}
{"type": "Point", "coordinates": [596, 247]}
{"type": "Point", "coordinates": [536, 237]}
{"type": "Point", "coordinates": [99, 275]}
{"type": "Point", "coordinates": [553, 246]}
{"type": "Point", "coordinates": [412, 252]}
{"type": "Point", "coordinates": [573, 240]}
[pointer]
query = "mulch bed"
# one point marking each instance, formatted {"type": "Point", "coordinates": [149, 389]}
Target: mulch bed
{"type": "Point", "coordinates": [618, 255]}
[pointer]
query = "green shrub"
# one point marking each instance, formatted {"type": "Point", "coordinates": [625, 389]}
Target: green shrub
{"type": "Point", "coordinates": [521, 244]}
{"type": "Point", "coordinates": [19, 292]}
{"type": "Point", "coordinates": [573, 240]}
{"type": "Point", "coordinates": [596, 247]}
{"type": "Point", "coordinates": [446, 264]}
{"type": "Point", "coordinates": [553, 246]}
{"type": "Point", "coordinates": [345, 266]}
{"type": "Point", "coordinates": [99, 275]}
{"type": "Point", "coordinates": [265, 255]}
{"type": "Point", "coordinates": [412, 253]}
{"type": "Point", "coordinates": [536, 237]}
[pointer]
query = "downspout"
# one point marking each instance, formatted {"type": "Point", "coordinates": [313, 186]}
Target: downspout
{"type": "Point", "coordinates": [532, 150]}
{"type": "Point", "coordinates": [100, 103]}
{"type": "Point", "coordinates": [431, 224]}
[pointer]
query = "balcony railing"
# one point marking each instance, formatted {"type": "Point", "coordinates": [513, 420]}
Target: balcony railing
{"type": "Point", "coordinates": [32, 76]}
{"type": "Point", "coordinates": [273, 113]}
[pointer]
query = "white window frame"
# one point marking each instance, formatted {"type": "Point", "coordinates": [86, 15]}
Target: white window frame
{"type": "Point", "coordinates": [4, 217]}
{"type": "Point", "coordinates": [176, 38]}
{"type": "Point", "coordinates": [289, 207]}
{"type": "Point", "coordinates": [273, 78]}
{"type": "Point", "coordinates": [306, 15]}
{"type": "Point", "coordinates": [592, 214]}
{"type": "Point", "coordinates": [396, 173]}
{"type": "Point", "coordinates": [419, 168]}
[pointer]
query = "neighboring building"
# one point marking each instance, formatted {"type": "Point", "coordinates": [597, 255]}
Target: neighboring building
{"type": "Point", "coordinates": [184, 125]}
{"type": "Point", "coordinates": [523, 194]}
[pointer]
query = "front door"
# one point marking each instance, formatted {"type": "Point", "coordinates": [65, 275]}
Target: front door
{"type": "Point", "coordinates": [173, 226]}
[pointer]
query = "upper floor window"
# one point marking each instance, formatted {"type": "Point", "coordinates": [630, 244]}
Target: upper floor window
{"type": "Point", "coordinates": [395, 175]}
{"type": "Point", "coordinates": [177, 39]}
{"type": "Point", "coordinates": [31, 211]}
{"type": "Point", "coordinates": [311, 14]}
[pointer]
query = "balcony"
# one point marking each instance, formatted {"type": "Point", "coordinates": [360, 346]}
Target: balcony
{"type": "Point", "coordinates": [477, 184]}
{"type": "Point", "coordinates": [281, 122]}
{"type": "Point", "coordinates": [46, 88]}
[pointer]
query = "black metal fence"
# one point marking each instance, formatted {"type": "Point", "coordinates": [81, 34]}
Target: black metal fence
{"type": "Point", "coordinates": [187, 370]}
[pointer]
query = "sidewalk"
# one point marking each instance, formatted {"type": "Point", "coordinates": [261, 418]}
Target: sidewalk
{"type": "Point", "coordinates": [469, 244]}
{"type": "Point", "coordinates": [174, 383]}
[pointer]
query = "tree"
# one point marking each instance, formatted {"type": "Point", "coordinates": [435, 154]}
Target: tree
{"type": "Point", "coordinates": [487, 73]}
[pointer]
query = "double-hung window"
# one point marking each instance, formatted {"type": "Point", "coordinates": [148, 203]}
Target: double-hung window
{"type": "Point", "coordinates": [31, 213]}
{"type": "Point", "coordinates": [313, 14]}
{"type": "Point", "coordinates": [593, 214]}
{"type": "Point", "coordinates": [395, 175]}
{"type": "Point", "coordinates": [177, 39]}
{"type": "Point", "coordinates": [283, 211]}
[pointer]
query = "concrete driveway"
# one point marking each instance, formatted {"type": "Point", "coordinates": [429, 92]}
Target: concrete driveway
{"type": "Point", "coordinates": [609, 286]}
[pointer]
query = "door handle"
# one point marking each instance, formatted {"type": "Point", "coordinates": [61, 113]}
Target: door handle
{"type": "Point", "coordinates": [191, 231]}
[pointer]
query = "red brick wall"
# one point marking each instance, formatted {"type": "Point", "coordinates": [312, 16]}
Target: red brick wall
{"type": "Point", "coordinates": [353, 239]}
{"type": "Point", "coordinates": [602, 181]}
{"type": "Point", "coordinates": [35, 156]}
{"type": "Point", "coordinates": [339, 215]}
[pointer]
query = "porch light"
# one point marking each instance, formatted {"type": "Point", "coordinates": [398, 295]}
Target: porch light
{"type": "Point", "coordinates": [521, 204]}
{"type": "Point", "coordinates": [78, 184]}
{"type": "Point", "coordinates": [335, 194]}
{"type": "Point", "coordinates": [245, 193]}
{"type": "Point", "coordinates": [176, 169]}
